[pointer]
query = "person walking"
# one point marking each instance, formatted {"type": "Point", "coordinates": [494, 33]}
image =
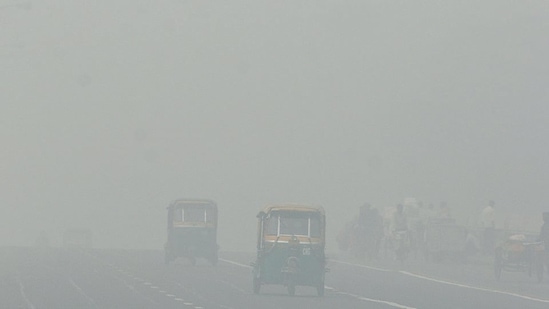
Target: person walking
{"type": "Point", "coordinates": [544, 236]}
{"type": "Point", "coordinates": [488, 223]}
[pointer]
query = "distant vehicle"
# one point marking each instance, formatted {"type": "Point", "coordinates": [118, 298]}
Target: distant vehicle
{"type": "Point", "coordinates": [290, 247]}
{"type": "Point", "coordinates": [77, 238]}
{"type": "Point", "coordinates": [192, 230]}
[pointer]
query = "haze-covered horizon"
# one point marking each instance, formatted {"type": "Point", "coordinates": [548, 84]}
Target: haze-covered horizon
{"type": "Point", "coordinates": [113, 109]}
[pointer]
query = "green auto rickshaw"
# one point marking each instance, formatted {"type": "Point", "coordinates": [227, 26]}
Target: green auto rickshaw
{"type": "Point", "coordinates": [192, 230]}
{"type": "Point", "coordinates": [290, 247]}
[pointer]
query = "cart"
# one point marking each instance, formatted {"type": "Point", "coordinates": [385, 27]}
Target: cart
{"type": "Point", "coordinates": [518, 254]}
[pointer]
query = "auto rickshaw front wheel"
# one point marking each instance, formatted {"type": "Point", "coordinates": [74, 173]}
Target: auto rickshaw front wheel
{"type": "Point", "coordinates": [167, 258]}
{"type": "Point", "coordinates": [213, 260]}
{"type": "Point", "coordinates": [257, 285]}
{"type": "Point", "coordinates": [539, 266]}
{"type": "Point", "coordinates": [498, 263]}
{"type": "Point", "coordinates": [540, 274]}
{"type": "Point", "coordinates": [320, 289]}
{"type": "Point", "coordinates": [291, 288]}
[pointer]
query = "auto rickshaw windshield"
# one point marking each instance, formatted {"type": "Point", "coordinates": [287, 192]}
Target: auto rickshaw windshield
{"type": "Point", "coordinates": [292, 223]}
{"type": "Point", "coordinates": [194, 213]}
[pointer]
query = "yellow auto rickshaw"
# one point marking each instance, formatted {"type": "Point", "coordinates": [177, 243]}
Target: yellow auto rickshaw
{"type": "Point", "coordinates": [290, 247]}
{"type": "Point", "coordinates": [192, 230]}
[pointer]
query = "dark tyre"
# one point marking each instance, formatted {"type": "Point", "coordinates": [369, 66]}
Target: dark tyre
{"type": "Point", "coordinates": [401, 255]}
{"type": "Point", "coordinates": [291, 289]}
{"type": "Point", "coordinates": [213, 260]}
{"type": "Point", "coordinates": [539, 266]}
{"type": "Point", "coordinates": [257, 285]}
{"type": "Point", "coordinates": [320, 289]}
{"type": "Point", "coordinates": [498, 264]}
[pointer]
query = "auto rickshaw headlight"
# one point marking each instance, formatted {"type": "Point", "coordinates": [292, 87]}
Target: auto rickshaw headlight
{"type": "Point", "coordinates": [293, 241]}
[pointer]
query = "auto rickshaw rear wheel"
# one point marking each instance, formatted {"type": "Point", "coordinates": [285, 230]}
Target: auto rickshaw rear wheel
{"type": "Point", "coordinates": [257, 285]}
{"type": "Point", "coordinates": [320, 289]}
{"type": "Point", "coordinates": [539, 265]}
{"type": "Point", "coordinates": [291, 288]}
{"type": "Point", "coordinates": [498, 263]}
{"type": "Point", "coordinates": [213, 260]}
{"type": "Point", "coordinates": [167, 258]}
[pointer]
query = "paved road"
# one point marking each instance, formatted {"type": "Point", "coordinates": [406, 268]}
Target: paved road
{"type": "Point", "coordinates": [58, 278]}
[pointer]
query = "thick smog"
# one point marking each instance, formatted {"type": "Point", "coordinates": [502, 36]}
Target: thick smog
{"type": "Point", "coordinates": [274, 154]}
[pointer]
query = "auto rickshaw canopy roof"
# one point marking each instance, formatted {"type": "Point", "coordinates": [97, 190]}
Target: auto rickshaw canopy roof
{"type": "Point", "coordinates": [184, 201]}
{"type": "Point", "coordinates": [292, 207]}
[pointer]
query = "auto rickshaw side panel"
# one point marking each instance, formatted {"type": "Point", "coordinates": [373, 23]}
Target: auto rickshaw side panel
{"type": "Point", "coordinates": [192, 238]}
{"type": "Point", "coordinates": [292, 257]}
{"type": "Point", "coordinates": [200, 241]}
{"type": "Point", "coordinates": [310, 264]}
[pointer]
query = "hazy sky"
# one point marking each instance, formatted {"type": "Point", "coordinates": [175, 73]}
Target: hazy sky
{"type": "Point", "coordinates": [111, 109]}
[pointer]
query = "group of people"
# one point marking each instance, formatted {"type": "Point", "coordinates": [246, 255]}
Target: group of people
{"type": "Point", "coordinates": [366, 232]}
{"type": "Point", "coordinates": [363, 236]}
{"type": "Point", "coordinates": [544, 236]}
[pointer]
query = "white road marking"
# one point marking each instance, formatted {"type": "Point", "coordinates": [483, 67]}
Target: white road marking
{"type": "Point", "coordinates": [236, 263]}
{"type": "Point", "coordinates": [446, 282]}
{"type": "Point", "coordinates": [133, 289]}
{"type": "Point", "coordinates": [154, 287]}
{"type": "Point", "coordinates": [362, 266]}
{"type": "Point", "coordinates": [392, 304]}
{"type": "Point", "coordinates": [342, 293]}
{"type": "Point", "coordinates": [475, 288]}
{"type": "Point", "coordinates": [233, 286]}
{"type": "Point", "coordinates": [22, 291]}
{"type": "Point", "coordinates": [79, 289]}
